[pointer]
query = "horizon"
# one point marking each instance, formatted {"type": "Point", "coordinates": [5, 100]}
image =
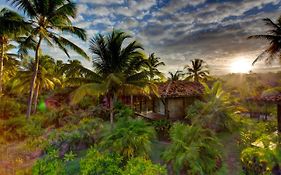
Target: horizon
{"type": "Point", "coordinates": [178, 31]}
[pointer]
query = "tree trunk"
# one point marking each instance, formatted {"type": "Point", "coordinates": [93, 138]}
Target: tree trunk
{"type": "Point", "coordinates": [279, 118]}
{"type": "Point", "coordinates": [33, 81]}
{"type": "Point", "coordinates": [132, 101]}
{"type": "Point", "coordinates": [1, 68]}
{"type": "Point", "coordinates": [35, 99]}
{"type": "Point", "coordinates": [112, 102]}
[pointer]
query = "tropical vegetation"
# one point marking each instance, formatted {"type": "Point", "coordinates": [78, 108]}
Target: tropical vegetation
{"type": "Point", "coordinates": [64, 117]}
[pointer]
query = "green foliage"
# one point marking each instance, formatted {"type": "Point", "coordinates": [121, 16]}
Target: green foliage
{"type": "Point", "coordinates": [140, 165]}
{"type": "Point", "coordinates": [193, 150]}
{"type": "Point", "coordinates": [60, 117]}
{"type": "Point", "coordinates": [162, 127]}
{"type": "Point", "coordinates": [9, 108]}
{"type": "Point", "coordinates": [215, 111]}
{"type": "Point", "coordinates": [130, 138]}
{"type": "Point", "coordinates": [50, 164]}
{"type": "Point", "coordinates": [251, 130]}
{"type": "Point", "coordinates": [19, 128]}
{"type": "Point", "coordinates": [95, 163]}
{"type": "Point", "coordinates": [122, 111]}
{"type": "Point", "coordinates": [73, 137]}
{"type": "Point", "coordinates": [263, 157]}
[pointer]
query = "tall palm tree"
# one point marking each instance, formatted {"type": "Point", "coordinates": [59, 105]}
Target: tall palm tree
{"type": "Point", "coordinates": [197, 71]}
{"type": "Point", "coordinates": [46, 78]}
{"type": "Point", "coordinates": [153, 63]}
{"type": "Point", "coordinates": [176, 76]}
{"type": "Point", "coordinates": [46, 18]}
{"type": "Point", "coordinates": [117, 69]}
{"type": "Point", "coordinates": [11, 26]}
{"type": "Point", "coordinates": [273, 35]}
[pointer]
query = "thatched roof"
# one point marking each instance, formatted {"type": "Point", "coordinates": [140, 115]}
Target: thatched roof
{"type": "Point", "coordinates": [180, 88]}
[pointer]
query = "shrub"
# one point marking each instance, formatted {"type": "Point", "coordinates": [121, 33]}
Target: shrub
{"type": "Point", "coordinates": [140, 165]}
{"type": "Point", "coordinates": [76, 137]}
{"type": "Point", "coordinates": [18, 128]}
{"type": "Point", "coordinates": [95, 163]}
{"type": "Point", "coordinates": [263, 157]}
{"type": "Point", "coordinates": [50, 164]}
{"type": "Point", "coordinates": [251, 130]}
{"type": "Point", "coordinates": [9, 108]}
{"type": "Point", "coordinates": [193, 150]}
{"type": "Point", "coordinates": [162, 128]}
{"type": "Point", "coordinates": [129, 138]}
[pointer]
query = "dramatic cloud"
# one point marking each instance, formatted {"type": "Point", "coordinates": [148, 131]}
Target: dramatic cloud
{"type": "Point", "coordinates": [181, 30]}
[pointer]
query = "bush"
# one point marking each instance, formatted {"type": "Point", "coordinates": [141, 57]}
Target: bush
{"type": "Point", "coordinates": [193, 150]}
{"type": "Point", "coordinates": [9, 108]}
{"type": "Point", "coordinates": [263, 157]}
{"type": "Point", "coordinates": [140, 165]}
{"type": "Point", "coordinates": [162, 128]}
{"type": "Point", "coordinates": [76, 137]}
{"type": "Point", "coordinates": [18, 128]}
{"type": "Point", "coordinates": [95, 163]}
{"type": "Point", "coordinates": [130, 138]}
{"type": "Point", "coordinates": [50, 164]}
{"type": "Point", "coordinates": [251, 130]}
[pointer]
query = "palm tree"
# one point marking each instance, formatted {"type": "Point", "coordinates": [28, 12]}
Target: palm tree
{"type": "Point", "coordinates": [176, 76]}
{"type": "Point", "coordinates": [273, 35]}
{"type": "Point", "coordinates": [197, 71]}
{"type": "Point", "coordinates": [193, 150]}
{"type": "Point", "coordinates": [11, 26]}
{"type": "Point", "coordinates": [46, 78]}
{"type": "Point", "coordinates": [118, 70]}
{"type": "Point", "coordinates": [153, 63]}
{"type": "Point", "coordinates": [215, 111]}
{"type": "Point", "coordinates": [46, 18]}
{"type": "Point", "coordinates": [130, 138]}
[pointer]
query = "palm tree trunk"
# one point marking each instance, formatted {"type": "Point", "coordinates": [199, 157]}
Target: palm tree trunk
{"type": "Point", "coordinates": [33, 81]}
{"type": "Point", "coordinates": [1, 68]}
{"type": "Point", "coordinates": [35, 99]}
{"type": "Point", "coordinates": [112, 102]}
{"type": "Point", "coordinates": [196, 79]}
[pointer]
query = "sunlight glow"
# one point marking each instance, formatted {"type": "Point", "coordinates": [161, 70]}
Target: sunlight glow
{"type": "Point", "coordinates": [240, 66]}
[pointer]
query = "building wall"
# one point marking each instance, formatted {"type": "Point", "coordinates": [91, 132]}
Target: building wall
{"type": "Point", "coordinates": [176, 107]}
{"type": "Point", "coordinates": [159, 106]}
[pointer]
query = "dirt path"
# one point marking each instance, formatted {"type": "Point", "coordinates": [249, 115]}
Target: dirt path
{"type": "Point", "coordinates": [14, 158]}
{"type": "Point", "coordinates": [231, 154]}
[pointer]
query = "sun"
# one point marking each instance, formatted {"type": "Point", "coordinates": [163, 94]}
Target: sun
{"type": "Point", "coordinates": [240, 66]}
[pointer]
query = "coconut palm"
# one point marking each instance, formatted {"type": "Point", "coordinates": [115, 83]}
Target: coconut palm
{"type": "Point", "coordinates": [130, 138]}
{"type": "Point", "coordinates": [118, 70]}
{"type": "Point", "coordinates": [176, 76]}
{"type": "Point", "coordinates": [193, 150]}
{"type": "Point", "coordinates": [11, 26]}
{"type": "Point", "coordinates": [46, 18]}
{"type": "Point", "coordinates": [153, 63]}
{"type": "Point", "coordinates": [273, 36]}
{"type": "Point", "coordinates": [197, 71]}
{"type": "Point", "coordinates": [46, 78]}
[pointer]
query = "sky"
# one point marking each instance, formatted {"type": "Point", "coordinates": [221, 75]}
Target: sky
{"type": "Point", "coordinates": [181, 30]}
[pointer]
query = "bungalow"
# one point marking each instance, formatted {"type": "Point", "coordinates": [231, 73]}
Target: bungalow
{"type": "Point", "coordinates": [270, 99]}
{"type": "Point", "coordinates": [174, 98]}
